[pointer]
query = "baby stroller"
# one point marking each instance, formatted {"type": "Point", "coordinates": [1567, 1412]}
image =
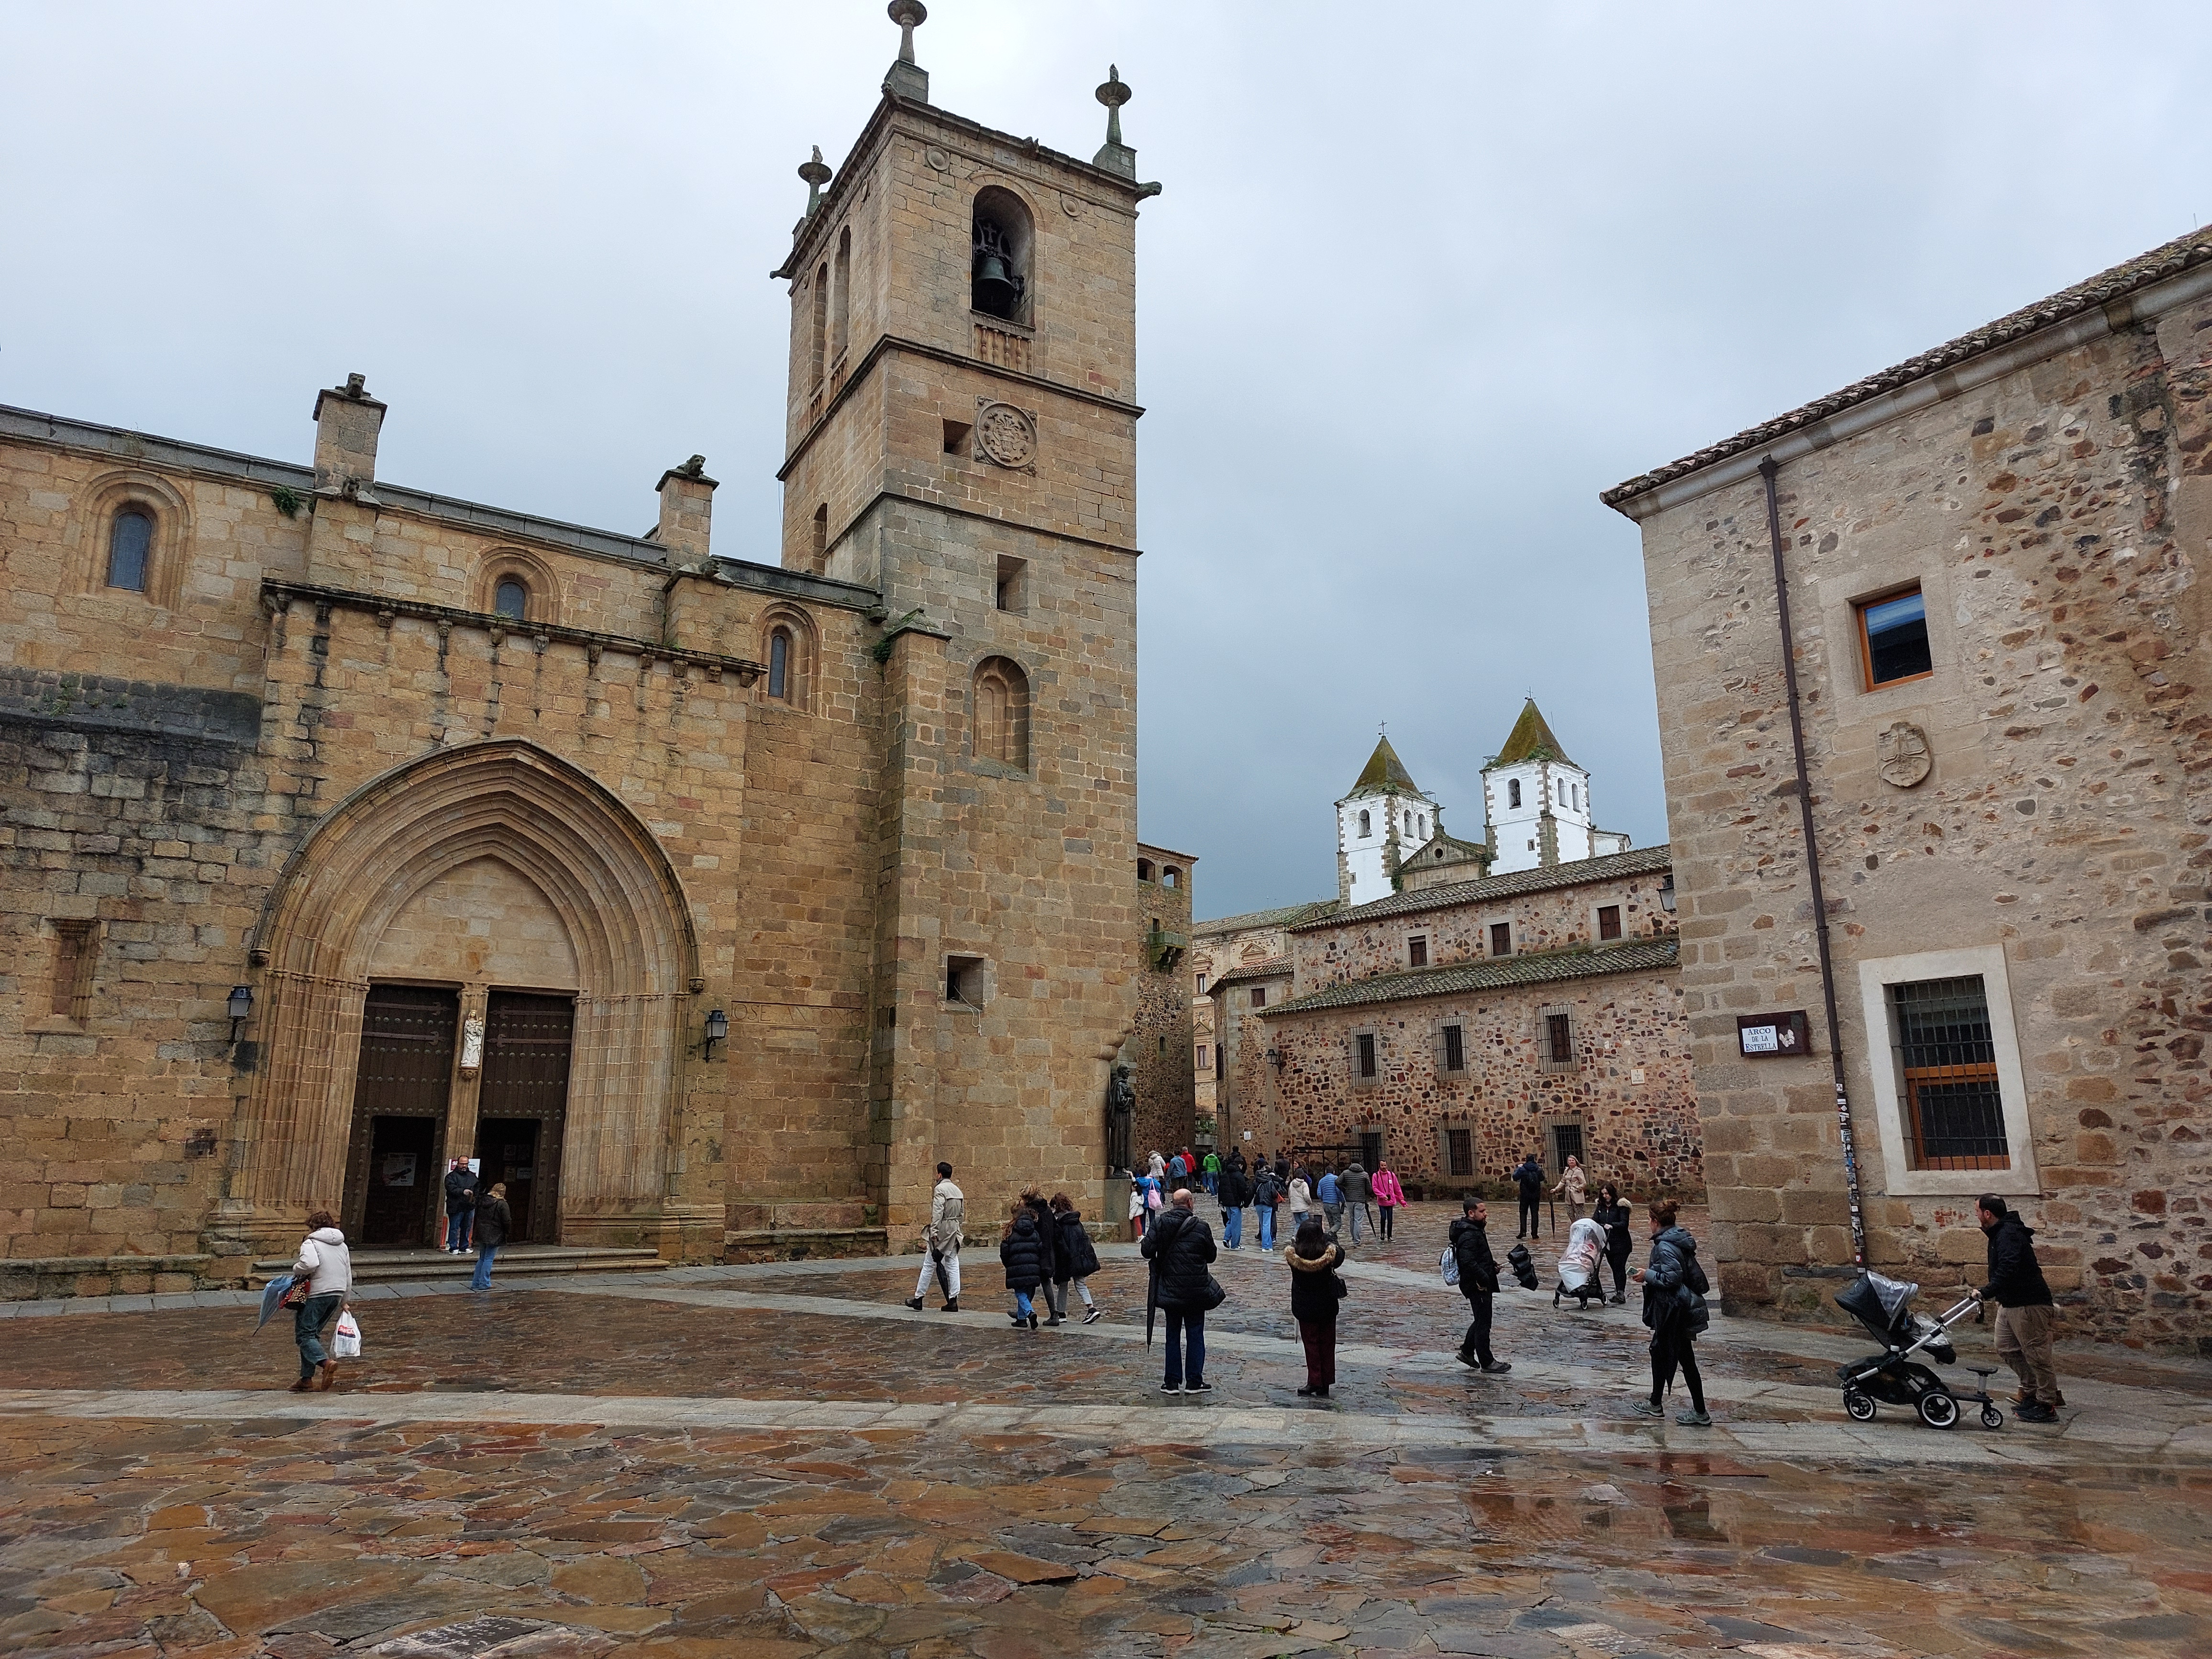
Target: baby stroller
{"type": "Point", "coordinates": [1884, 1307]}
{"type": "Point", "coordinates": [1578, 1265]}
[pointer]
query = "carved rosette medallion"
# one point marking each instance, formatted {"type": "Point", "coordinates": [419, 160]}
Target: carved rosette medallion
{"type": "Point", "coordinates": [1006, 435]}
{"type": "Point", "coordinates": [1902, 753]}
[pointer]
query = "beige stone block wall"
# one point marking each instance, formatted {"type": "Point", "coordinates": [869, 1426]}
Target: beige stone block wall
{"type": "Point", "coordinates": [2056, 518]}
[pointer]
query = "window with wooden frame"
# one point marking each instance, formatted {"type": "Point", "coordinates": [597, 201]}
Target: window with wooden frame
{"type": "Point", "coordinates": [1501, 939]}
{"type": "Point", "coordinates": [1609, 922]}
{"type": "Point", "coordinates": [76, 950]}
{"type": "Point", "coordinates": [1259, 996]}
{"type": "Point", "coordinates": [1417, 950]}
{"type": "Point", "coordinates": [1454, 1048]}
{"type": "Point", "coordinates": [1459, 1151]}
{"type": "Point", "coordinates": [1894, 638]}
{"type": "Point", "coordinates": [1947, 1055]}
{"type": "Point", "coordinates": [1555, 1039]}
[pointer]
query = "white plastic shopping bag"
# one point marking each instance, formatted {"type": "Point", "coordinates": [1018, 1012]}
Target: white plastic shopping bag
{"type": "Point", "coordinates": [346, 1345]}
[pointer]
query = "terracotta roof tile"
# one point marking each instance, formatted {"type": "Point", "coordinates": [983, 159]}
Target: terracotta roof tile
{"type": "Point", "coordinates": [1489, 974]}
{"type": "Point", "coordinates": [1284, 916]}
{"type": "Point", "coordinates": [1613, 866]}
{"type": "Point", "coordinates": [1272, 968]}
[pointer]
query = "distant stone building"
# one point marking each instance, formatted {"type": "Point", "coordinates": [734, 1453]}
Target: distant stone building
{"type": "Point", "coordinates": [1455, 1027]}
{"type": "Point", "coordinates": [1158, 1051]}
{"type": "Point", "coordinates": [345, 828]}
{"type": "Point", "coordinates": [1993, 557]}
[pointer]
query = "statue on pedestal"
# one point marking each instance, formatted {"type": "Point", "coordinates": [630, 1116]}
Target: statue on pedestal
{"type": "Point", "coordinates": [1121, 1117]}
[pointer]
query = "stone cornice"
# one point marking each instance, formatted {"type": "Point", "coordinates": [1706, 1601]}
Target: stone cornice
{"type": "Point", "coordinates": [280, 595]}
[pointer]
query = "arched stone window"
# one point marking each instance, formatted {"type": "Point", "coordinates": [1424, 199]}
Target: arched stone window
{"type": "Point", "coordinates": [821, 537]}
{"type": "Point", "coordinates": [1366, 827]}
{"type": "Point", "coordinates": [841, 302]}
{"type": "Point", "coordinates": [130, 549]}
{"type": "Point", "coordinates": [1003, 236]}
{"type": "Point", "coordinates": [1512, 792]}
{"type": "Point", "coordinates": [1144, 869]}
{"type": "Point", "coordinates": [516, 585]}
{"type": "Point", "coordinates": [819, 342]}
{"type": "Point", "coordinates": [1000, 712]}
{"type": "Point", "coordinates": [511, 598]}
{"type": "Point", "coordinates": [787, 648]}
{"type": "Point", "coordinates": [1171, 877]}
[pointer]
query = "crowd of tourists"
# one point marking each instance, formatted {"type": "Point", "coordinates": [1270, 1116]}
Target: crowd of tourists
{"type": "Point", "coordinates": [1342, 1196]}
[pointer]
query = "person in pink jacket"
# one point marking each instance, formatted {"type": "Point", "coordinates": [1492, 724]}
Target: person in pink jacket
{"type": "Point", "coordinates": [1389, 1196]}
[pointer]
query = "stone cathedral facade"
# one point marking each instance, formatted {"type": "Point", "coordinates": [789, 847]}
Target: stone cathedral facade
{"type": "Point", "coordinates": [348, 829]}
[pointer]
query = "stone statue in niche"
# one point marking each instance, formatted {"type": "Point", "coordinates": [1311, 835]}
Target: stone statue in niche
{"type": "Point", "coordinates": [1902, 754]}
{"type": "Point", "coordinates": [473, 1033]}
{"type": "Point", "coordinates": [1121, 1118]}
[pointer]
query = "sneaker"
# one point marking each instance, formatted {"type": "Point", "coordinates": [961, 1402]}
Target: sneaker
{"type": "Point", "coordinates": [2036, 1411]}
{"type": "Point", "coordinates": [1646, 1408]}
{"type": "Point", "coordinates": [1305, 1393]}
{"type": "Point", "coordinates": [2022, 1397]}
{"type": "Point", "coordinates": [1093, 1315]}
{"type": "Point", "coordinates": [1198, 1388]}
{"type": "Point", "coordinates": [1617, 1298]}
{"type": "Point", "coordinates": [953, 1306]}
{"type": "Point", "coordinates": [1171, 1388]}
{"type": "Point", "coordinates": [1055, 1319]}
{"type": "Point", "coordinates": [914, 1302]}
{"type": "Point", "coordinates": [1498, 1365]}
{"type": "Point", "coordinates": [1466, 1358]}
{"type": "Point", "coordinates": [1694, 1419]}
{"type": "Point", "coordinates": [1019, 1320]}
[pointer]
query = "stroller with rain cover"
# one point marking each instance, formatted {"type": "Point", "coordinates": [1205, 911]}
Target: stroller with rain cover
{"type": "Point", "coordinates": [1884, 1307]}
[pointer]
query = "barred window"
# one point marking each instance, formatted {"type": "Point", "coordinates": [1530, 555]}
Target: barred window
{"type": "Point", "coordinates": [1367, 1054]}
{"type": "Point", "coordinates": [1558, 1037]}
{"type": "Point", "coordinates": [1454, 1048]}
{"type": "Point", "coordinates": [1954, 1111]}
{"type": "Point", "coordinates": [1459, 1151]}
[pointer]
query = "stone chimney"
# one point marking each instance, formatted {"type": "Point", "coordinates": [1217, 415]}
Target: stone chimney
{"type": "Point", "coordinates": [687, 510]}
{"type": "Point", "coordinates": [347, 421]}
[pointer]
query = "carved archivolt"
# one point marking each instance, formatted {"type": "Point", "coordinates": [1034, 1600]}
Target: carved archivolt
{"type": "Point", "coordinates": [600, 869]}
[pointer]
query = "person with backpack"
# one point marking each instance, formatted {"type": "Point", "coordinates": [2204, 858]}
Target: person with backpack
{"type": "Point", "coordinates": [1389, 1195]}
{"type": "Point", "coordinates": [1316, 1289]}
{"type": "Point", "coordinates": [1529, 1176]}
{"type": "Point", "coordinates": [1236, 1193]}
{"type": "Point", "coordinates": [1355, 1186]}
{"type": "Point", "coordinates": [1180, 1246]}
{"type": "Point", "coordinates": [1675, 1308]}
{"type": "Point", "coordinates": [1478, 1282]}
{"type": "Point", "coordinates": [1267, 1193]}
{"type": "Point", "coordinates": [1074, 1258]}
{"type": "Point", "coordinates": [1022, 1252]}
{"type": "Point", "coordinates": [1616, 1218]}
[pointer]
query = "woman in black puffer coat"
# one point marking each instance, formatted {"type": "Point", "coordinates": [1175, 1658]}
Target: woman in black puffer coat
{"type": "Point", "coordinates": [1024, 1253]}
{"type": "Point", "coordinates": [1675, 1308]}
{"type": "Point", "coordinates": [1073, 1257]}
{"type": "Point", "coordinates": [1316, 1290]}
{"type": "Point", "coordinates": [1616, 1218]}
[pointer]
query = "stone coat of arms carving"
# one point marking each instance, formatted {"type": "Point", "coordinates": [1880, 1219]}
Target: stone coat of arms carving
{"type": "Point", "coordinates": [1902, 755]}
{"type": "Point", "coordinates": [1006, 435]}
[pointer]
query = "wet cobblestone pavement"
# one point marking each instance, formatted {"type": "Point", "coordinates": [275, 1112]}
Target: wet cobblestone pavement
{"type": "Point", "coordinates": [781, 1460]}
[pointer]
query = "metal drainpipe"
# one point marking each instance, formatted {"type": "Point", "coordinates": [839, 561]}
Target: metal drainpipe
{"type": "Point", "coordinates": [1767, 469]}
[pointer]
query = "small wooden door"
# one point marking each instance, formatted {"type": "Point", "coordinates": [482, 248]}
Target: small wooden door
{"type": "Point", "coordinates": [400, 1094]}
{"type": "Point", "coordinates": [523, 1108]}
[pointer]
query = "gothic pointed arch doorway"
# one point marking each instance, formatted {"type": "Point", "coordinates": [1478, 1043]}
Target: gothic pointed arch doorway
{"type": "Point", "coordinates": [432, 942]}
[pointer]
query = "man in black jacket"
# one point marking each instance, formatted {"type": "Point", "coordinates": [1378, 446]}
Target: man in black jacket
{"type": "Point", "coordinates": [1529, 1178]}
{"type": "Point", "coordinates": [1180, 1246]}
{"type": "Point", "coordinates": [2025, 1313]}
{"type": "Point", "coordinates": [1478, 1282]}
{"type": "Point", "coordinates": [1236, 1193]}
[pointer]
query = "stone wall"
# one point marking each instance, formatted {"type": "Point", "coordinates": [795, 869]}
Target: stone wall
{"type": "Point", "coordinates": [1159, 1048]}
{"type": "Point", "coordinates": [2054, 507]}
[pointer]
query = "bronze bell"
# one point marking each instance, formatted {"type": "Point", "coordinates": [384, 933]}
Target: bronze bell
{"type": "Point", "coordinates": [997, 291]}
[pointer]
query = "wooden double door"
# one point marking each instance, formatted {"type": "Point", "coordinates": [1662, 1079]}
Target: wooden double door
{"type": "Point", "coordinates": [405, 1116]}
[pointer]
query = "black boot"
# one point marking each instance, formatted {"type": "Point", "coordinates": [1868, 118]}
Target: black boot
{"type": "Point", "coordinates": [914, 1302]}
{"type": "Point", "coordinates": [952, 1306]}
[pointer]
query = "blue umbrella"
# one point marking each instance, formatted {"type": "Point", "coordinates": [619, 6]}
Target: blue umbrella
{"type": "Point", "coordinates": [272, 1298]}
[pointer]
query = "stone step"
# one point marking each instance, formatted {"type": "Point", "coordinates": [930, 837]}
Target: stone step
{"type": "Point", "coordinates": [388, 1267]}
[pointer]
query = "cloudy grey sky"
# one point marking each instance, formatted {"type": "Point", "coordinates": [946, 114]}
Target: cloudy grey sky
{"type": "Point", "coordinates": [1425, 278]}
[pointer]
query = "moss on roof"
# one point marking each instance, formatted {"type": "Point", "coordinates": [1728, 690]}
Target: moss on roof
{"type": "Point", "coordinates": [1287, 916]}
{"type": "Point", "coordinates": [1384, 772]}
{"type": "Point", "coordinates": [1576, 872]}
{"type": "Point", "coordinates": [1530, 739]}
{"type": "Point", "coordinates": [1489, 974]}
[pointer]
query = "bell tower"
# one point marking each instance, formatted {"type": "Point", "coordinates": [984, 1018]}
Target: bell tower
{"type": "Point", "coordinates": [961, 437]}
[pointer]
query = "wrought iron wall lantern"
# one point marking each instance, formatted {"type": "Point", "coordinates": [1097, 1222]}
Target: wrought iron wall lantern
{"type": "Point", "coordinates": [239, 1007]}
{"type": "Point", "coordinates": [717, 1030]}
{"type": "Point", "coordinates": [1667, 894]}
{"type": "Point", "coordinates": [1275, 1057]}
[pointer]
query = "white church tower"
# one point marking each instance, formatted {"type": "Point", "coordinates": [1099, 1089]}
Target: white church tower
{"type": "Point", "coordinates": [1378, 826]}
{"type": "Point", "coordinates": [1537, 804]}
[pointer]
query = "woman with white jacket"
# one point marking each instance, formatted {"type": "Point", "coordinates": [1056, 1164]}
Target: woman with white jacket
{"type": "Point", "coordinates": [326, 1265]}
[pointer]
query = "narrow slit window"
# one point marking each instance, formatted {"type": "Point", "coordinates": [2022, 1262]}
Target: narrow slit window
{"type": "Point", "coordinates": [1201, 1057]}
{"type": "Point", "coordinates": [1367, 1054]}
{"type": "Point", "coordinates": [1454, 1048]}
{"type": "Point", "coordinates": [130, 547]}
{"type": "Point", "coordinates": [1558, 1038]}
{"type": "Point", "coordinates": [1946, 1051]}
{"type": "Point", "coordinates": [779, 665]}
{"type": "Point", "coordinates": [820, 533]}
{"type": "Point", "coordinates": [1513, 792]}
{"type": "Point", "coordinates": [1893, 632]}
{"type": "Point", "coordinates": [75, 952]}
{"type": "Point", "coordinates": [1459, 1151]}
{"type": "Point", "coordinates": [1609, 922]}
{"type": "Point", "coordinates": [1364, 829]}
